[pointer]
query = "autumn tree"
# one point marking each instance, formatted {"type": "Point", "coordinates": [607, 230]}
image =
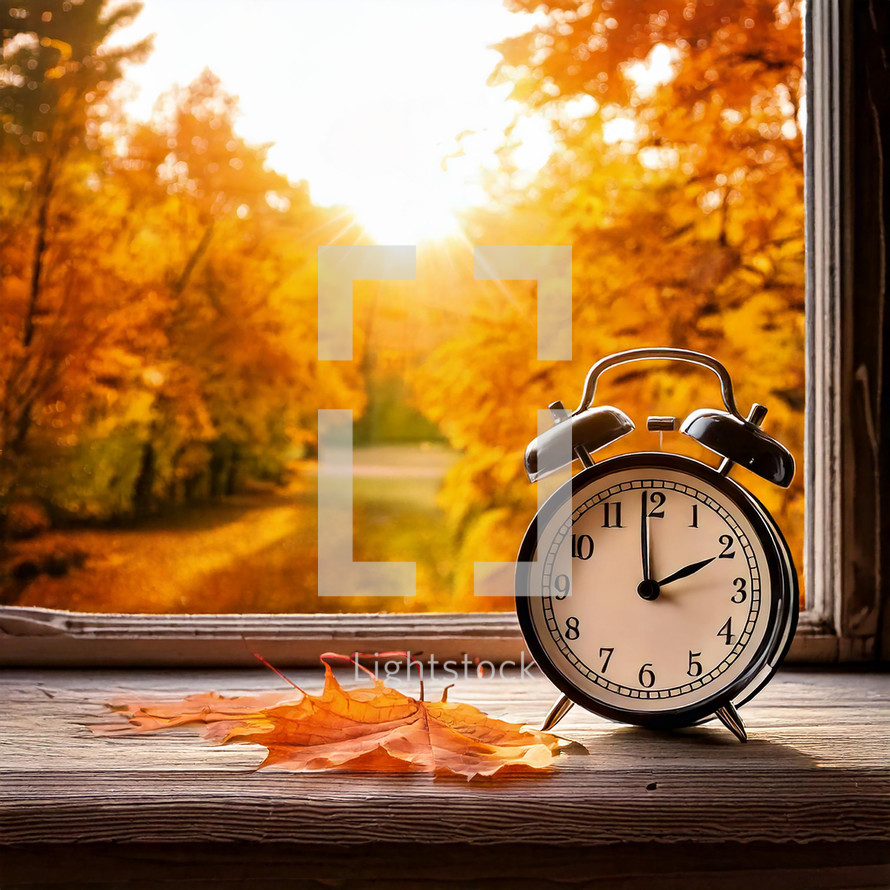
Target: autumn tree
{"type": "Point", "coordinates": [234, 375]}
{"type": "Point", "coordinates": [59, 73]}
{"type": "Point", "coordinates": [158, 291]}
{"type": "Point", "coordinates": [56, 115]}
{"type": "Point", "coordinates": [677, 177]}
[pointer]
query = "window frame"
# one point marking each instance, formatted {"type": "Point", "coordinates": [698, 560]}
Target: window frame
{"type": "Point", "coordinates": [846, 476]}
{"type": "Point", "coordinates": [846, 285]}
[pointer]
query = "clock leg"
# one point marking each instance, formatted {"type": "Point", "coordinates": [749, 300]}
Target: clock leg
{"type": "Point", "coordinates": [562, 707]}
{"type": "Point", "coordinates": [730, 718]}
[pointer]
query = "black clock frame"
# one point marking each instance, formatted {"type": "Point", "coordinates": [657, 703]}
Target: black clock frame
{"type": "Point", "coordinates": [783, 586]}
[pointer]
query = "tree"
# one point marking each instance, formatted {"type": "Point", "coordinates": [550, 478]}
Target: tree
{"type": "Point", "coordinates": [235, 315]}
{"type": "Point", "coordinates": [59, 77]}
{"type": "Point", "coordinates": [158, 283]}
{"type": "Point", "coordinates": [677, 176]}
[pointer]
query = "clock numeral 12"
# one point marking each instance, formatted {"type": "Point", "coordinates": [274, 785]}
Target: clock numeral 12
{"type": "Point", "coordinates": [657, 499]}
{"type": "Point", "coordinates": [607, 515]}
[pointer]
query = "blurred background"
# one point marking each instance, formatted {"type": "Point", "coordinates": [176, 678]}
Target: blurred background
{"type": "Point", "coordinates": [169, 170]}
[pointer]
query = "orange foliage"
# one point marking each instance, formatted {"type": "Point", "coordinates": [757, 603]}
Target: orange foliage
{"type": "Point", "coordinates": [158, 285]}
{"type": "Point", "coordinates": [682, 199]}
{"type": "Point", "coordinates": [375, 729]}
{"type": "Point", "coordinates": [159, 279]}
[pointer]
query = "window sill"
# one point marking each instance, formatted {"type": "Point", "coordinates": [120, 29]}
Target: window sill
{"type": "Point", "coordinates": [815, 772]}
{"type": "Point", "coordinates": [33, 637]}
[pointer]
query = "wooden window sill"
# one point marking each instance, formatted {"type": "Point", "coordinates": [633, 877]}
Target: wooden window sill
{"type": "Point", "coordinates": [815, 772]}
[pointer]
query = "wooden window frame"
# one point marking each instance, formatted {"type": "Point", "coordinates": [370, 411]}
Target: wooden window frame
{"type": "Point", "coordinates": [846, 450]}
{"type": "Point", "coordinates": [845, 466]}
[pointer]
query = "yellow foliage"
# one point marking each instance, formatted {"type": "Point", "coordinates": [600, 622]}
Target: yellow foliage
{"type": "Point", "coordinates": [690, 234]}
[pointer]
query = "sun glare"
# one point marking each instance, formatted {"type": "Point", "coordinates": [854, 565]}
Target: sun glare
{"type": "Point", "coordinates": [407, 211]}
{"type": "Point", "coordinates": [370, 124]}
{"type": "Point", "coordinates": [421, 196]}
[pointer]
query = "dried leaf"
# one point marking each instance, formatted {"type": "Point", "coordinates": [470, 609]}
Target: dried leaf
{"type": "Point", "coordinates": [375, 728]}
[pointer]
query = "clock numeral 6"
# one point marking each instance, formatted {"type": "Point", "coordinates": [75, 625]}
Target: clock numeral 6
{"type": "Point", "coordinates": [561, 583]}
{"type": "Point", "coordinates": [572, 632]}
{"type": "Point", "coordinates": [582, 546]}
{"type": "Point", "coordinates": [694, 666]}
{"type": "Point", "coordinates": [647, 676]}
{"type": "Point", "coordinates": [741, 593]}
{"type": "Point", "coordinates": [727, 542]}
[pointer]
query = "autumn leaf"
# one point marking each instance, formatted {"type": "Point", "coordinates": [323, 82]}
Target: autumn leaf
{"type": "Point", "coordinates": [374, 728]}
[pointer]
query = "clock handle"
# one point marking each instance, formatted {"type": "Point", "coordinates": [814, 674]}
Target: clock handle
{"type": "Point", "coordinates": [666, 353]}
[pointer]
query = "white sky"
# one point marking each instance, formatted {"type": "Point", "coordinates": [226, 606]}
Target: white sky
{"type": "Point", "coordinates": [362, 98]}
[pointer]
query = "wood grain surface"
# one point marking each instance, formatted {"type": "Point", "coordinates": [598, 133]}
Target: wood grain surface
{"type": "Point", "coordinates": [815, 769]}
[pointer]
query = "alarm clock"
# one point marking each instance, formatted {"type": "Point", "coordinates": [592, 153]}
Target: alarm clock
{"type": "Point", "coordinates": [651, 588]}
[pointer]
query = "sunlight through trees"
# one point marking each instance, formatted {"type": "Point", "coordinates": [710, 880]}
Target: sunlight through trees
{"type": "Point", "coordinates": [158, 290]}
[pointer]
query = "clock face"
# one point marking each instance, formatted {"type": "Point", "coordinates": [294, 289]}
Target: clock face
{"type": "Point", "coordinates": [661, 592]}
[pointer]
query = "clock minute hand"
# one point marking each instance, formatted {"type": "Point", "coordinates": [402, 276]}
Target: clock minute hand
{"type": "Point", "coordinates": [644, 535]}
{"type": "Point", "coordinates": [686, 571]}
{"type": "Point", "coordinates": [647, 588]}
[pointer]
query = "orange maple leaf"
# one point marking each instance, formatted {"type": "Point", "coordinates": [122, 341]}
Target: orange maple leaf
{"type": "Point", "coordinates": [375, 728]}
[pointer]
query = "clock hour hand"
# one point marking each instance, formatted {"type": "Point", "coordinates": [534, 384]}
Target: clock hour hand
{"type": "Point", "coordinates": [686, 571]}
